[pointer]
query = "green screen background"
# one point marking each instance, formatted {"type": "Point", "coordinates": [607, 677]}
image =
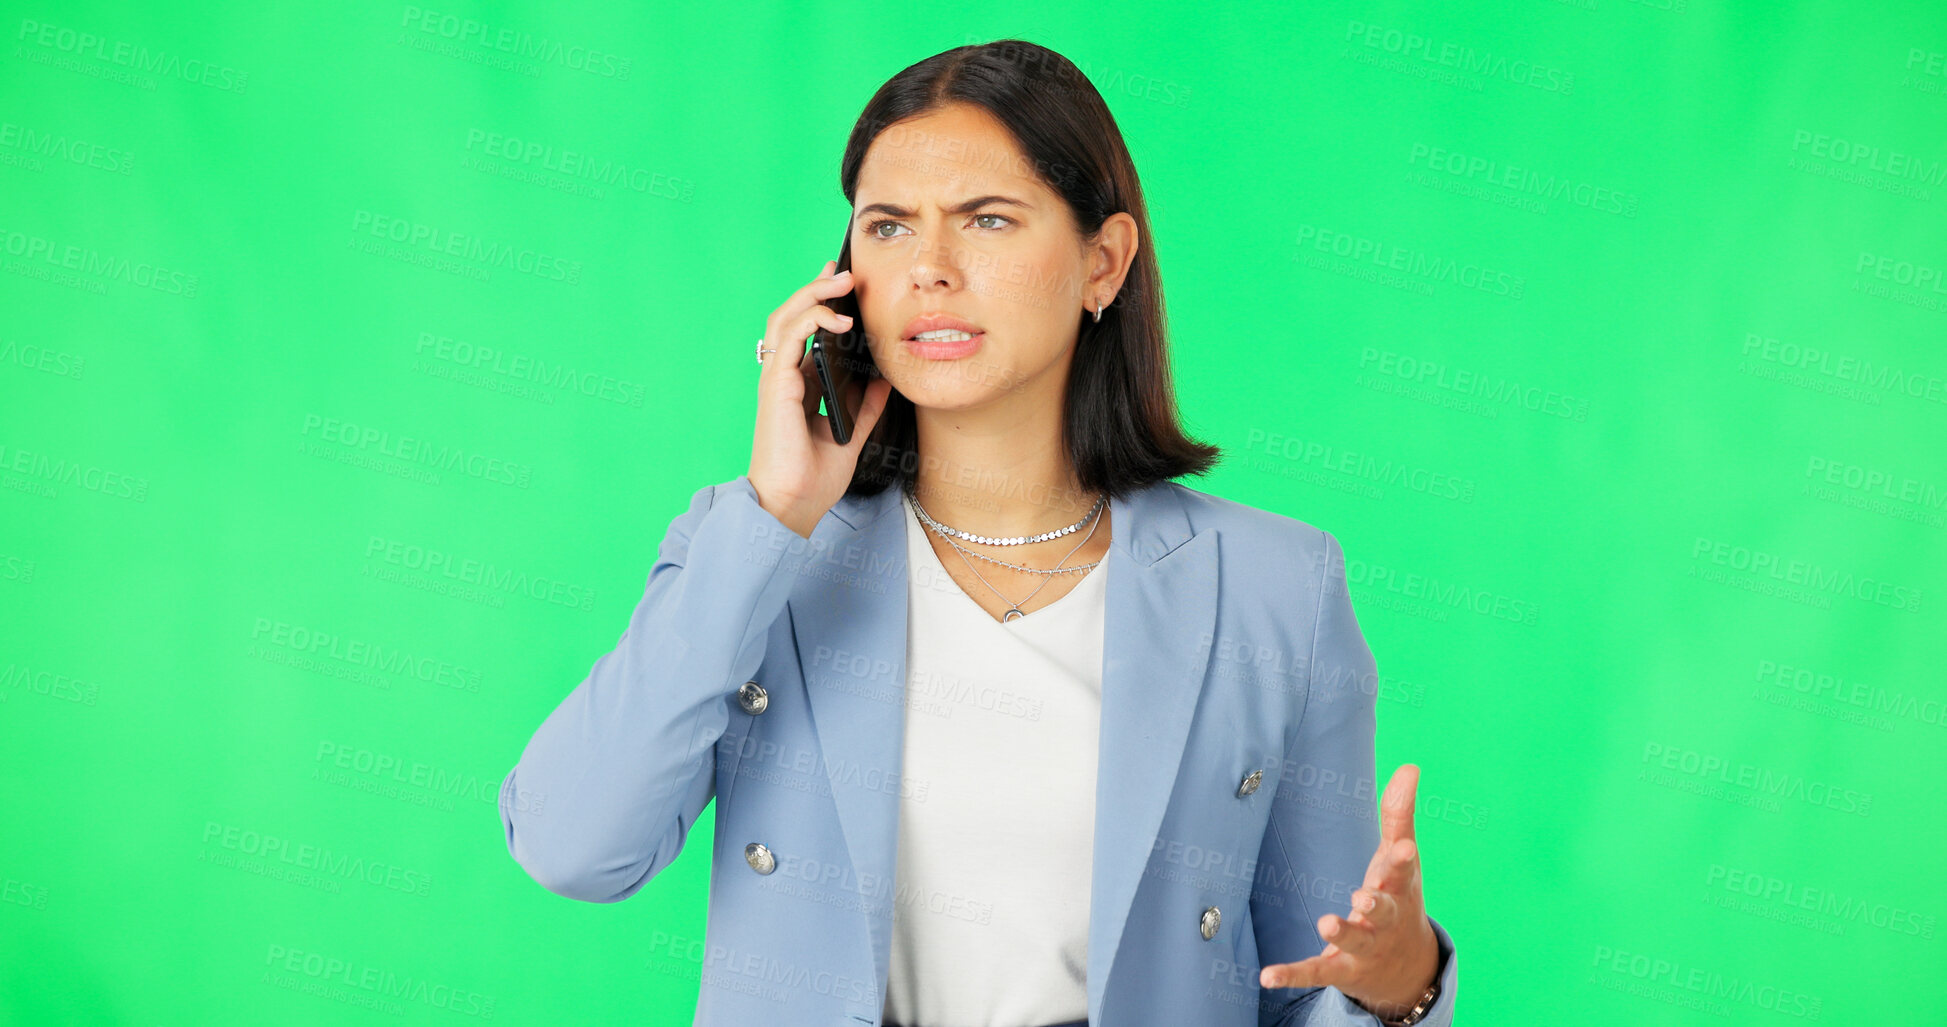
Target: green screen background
{"type": "Point", "coordinates": [1606, 336]}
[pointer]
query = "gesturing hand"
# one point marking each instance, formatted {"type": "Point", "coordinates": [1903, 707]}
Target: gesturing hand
{"type": "Point", "coordinates": [1385, 954]}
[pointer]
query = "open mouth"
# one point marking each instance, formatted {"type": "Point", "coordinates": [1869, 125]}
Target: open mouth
{"type": "Point", "coordinates": [945, 344]}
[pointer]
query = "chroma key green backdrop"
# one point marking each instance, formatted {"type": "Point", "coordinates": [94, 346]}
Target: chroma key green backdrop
{"type": "Point", "coordinates": [354, 361]}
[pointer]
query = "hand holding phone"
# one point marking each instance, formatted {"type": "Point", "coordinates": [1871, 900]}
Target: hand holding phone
{"type": "Point", "coordinates": [842, 358]}
{"type": "Point", "coordinates": [797, 465]}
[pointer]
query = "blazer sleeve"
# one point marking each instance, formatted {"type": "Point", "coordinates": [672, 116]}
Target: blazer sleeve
{"type": "Point", "coordinates": [605, 792]}
{"type": "Point", "coordinates": [1324, 822]}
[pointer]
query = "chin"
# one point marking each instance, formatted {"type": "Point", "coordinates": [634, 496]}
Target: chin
{"type": "Point", "coordinates": [944, 389]}
{"type": "Point", "coordinates": [946, 398]}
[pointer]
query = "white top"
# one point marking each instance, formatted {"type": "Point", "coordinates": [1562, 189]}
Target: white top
{"type": "Point", "coordinates": [997, 832]}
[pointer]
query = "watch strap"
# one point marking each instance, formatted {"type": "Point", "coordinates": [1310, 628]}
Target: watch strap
{"type": "Point", "coordinates": [1420, 1008]}
{"type": "Point", "coordinates": [1427, 998]}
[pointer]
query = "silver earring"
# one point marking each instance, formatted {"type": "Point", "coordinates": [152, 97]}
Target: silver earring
{"type": "Point", "coordinates": [1098, 311]}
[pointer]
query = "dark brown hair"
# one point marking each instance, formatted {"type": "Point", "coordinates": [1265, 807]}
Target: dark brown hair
{"type": "Point", "coordinates": [1120, 419]}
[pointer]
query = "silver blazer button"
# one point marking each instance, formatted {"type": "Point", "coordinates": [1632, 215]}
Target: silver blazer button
{"type": "Point", "coordinates": [752, 697]}
{"type": "Point", "coordinates": [759, 858]}
{"type": "Point", "coordinates": [1208, 925]}
{"type": "Point", "coordinates": [1250, 783]}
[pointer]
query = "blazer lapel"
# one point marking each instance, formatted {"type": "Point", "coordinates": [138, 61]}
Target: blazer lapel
{"type": "Point", "coordinates": [852, 647]}
{"type": "Point", "coordinates": [1160, 614]}
{"type": "Point", "coordinates": [1160, 617]}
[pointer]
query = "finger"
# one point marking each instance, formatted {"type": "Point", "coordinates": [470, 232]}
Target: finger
{"type": "Point", "coordinates": [1376, 866]}
{"type": "Point", "coordinates": [779, 388]}
{"type": "Point", "coordinates": [785, 330]}
{"type": "Point", "coordinates": [1355, 939]}
{"type": "Point", "coordinates": [1316, 972]}
{"type": "Point", "coordinates": [1375, 908]}
{"type": "Point", "coordinates": [813, 317]}
{"type": "Point", "coordinates": [1380, 864]}
{"type": "Point", "coordinates": [1401, 876]}
{"type": "Point", "coordinates": [814, 389]}
{"type": "Point", "coordinates": [819, 289]}
{"type": "Point", "coordinates": [1396, 805]}
{"type": "Point", "coordinates": [802, 372]}
{"type": "Point", "coordinates": [789, 337]}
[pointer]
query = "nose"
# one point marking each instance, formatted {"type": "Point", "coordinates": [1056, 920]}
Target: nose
{"type": "Point", "coordinates": [935, 265]}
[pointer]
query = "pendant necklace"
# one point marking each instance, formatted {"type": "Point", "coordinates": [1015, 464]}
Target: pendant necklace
{"type": "Point", "coordinates": [1047, 574]}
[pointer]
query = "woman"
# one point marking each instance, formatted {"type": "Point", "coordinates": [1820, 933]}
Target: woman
{"type": "Point", "coordinates": [987, 703]}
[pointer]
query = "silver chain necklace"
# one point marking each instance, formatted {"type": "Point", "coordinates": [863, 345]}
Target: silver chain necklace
{"type": "Point", "coordinates": [1014, 608]}
{"type": "Point", "coordinates": [912, 493]}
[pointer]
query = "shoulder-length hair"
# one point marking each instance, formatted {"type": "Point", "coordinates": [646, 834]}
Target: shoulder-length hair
{"type": "Point", "coordinates": [1120, 422]}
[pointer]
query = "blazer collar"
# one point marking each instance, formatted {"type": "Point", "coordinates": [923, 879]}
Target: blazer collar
{"type": "Point", "coordinates": [1159, 620]}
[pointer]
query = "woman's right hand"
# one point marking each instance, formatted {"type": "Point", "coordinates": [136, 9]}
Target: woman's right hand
{"type": "Point", "coordinates": [799, 471]}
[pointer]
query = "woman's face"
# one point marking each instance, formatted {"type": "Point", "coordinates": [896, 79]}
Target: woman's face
{"type": "Point", "coordinates": [950, 221]}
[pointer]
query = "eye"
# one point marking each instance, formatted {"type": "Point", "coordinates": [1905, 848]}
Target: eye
{"type": "Point", "coordinates": [872, 228]}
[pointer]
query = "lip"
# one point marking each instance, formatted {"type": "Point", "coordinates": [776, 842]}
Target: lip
{"type": "Point", "coordinates": [935, 322]}
{"type": "Point", "coordinates": [950, 350]}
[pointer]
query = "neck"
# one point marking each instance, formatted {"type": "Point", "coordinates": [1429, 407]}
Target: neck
{"type": "Point", "coordinates": [1003, 473]}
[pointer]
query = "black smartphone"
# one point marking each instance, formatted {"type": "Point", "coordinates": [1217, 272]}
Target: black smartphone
{"type": "Point", "coordinates": [842, 359]}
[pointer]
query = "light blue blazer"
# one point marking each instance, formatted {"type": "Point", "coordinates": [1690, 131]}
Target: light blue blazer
{"type": "Point", "coordinates": [1230, 648]}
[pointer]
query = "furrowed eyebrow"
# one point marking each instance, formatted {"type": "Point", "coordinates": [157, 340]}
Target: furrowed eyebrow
{"type": "Point", "coordinates": [967, 207]}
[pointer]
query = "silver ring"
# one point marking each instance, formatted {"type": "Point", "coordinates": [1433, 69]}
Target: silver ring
{"type": "Point", "coordinates": [761, 351]}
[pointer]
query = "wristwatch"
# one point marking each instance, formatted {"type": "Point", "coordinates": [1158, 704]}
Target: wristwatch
{"type": "Point", "coordinates": [1419, 1010]}
{"type": "Point", "coordinates": [1425, 1004]}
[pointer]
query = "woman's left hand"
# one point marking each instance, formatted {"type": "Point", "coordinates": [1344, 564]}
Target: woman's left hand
{"type": "Point", "coordinates": [1384, 955]}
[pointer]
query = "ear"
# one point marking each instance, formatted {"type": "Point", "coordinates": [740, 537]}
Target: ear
{"type": "Point", "coordinates": [1109, 257]}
